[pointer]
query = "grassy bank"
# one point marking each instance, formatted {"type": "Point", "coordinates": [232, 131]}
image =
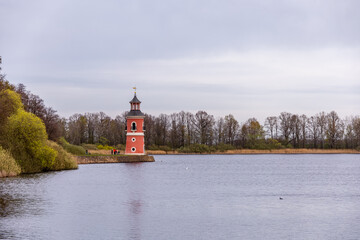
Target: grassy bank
{"type": "Point", "coordinates": [64, 160]}
{"type": "Point", "coordinates": [9, 167]}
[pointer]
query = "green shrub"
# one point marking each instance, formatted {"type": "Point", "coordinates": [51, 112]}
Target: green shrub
{"type": "Point", "coordinates": [153, 147]}
{"type": "Point", "coordinates": [63, 160]}
{"type": "Point", "coordinates": [184, 149]}
{"type": "Point", "coordinates": [8, 165]}
{"type": "Point", "coordinates": [289, 146]}
{"type": "Point", "coordinates": [195, 148]}
{"type": "Point", "coordinates": [104, 141]}
{"type": "Point", "coordinates": [273, 144]}
{"type": "Point", "coordinates": [165, 148]}
{"type": "Point", "coordinates": [71, 148]}
{"type": "Point", "coordinates": [26, 140]}
{"type": "Point", "coordinates": [224, 147]}
{"type": "Point", "coordinates": [89, 146]}
{"type": "Point", "coordinates": [104, 147]}
{"type": "Point", "coordinates": [213, 149]}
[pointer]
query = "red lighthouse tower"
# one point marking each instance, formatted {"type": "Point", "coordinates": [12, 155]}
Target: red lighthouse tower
{"type": "Point", "coordinates": [135, 144]}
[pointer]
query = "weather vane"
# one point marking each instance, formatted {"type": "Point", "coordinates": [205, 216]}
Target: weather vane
{"type": "Point", "coordinates": [134, 89]}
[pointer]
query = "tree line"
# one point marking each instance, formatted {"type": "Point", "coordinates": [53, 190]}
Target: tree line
{"type": "Point", "coordinates": [183, 129]}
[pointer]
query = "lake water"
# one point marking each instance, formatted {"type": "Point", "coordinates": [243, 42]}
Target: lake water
{"type": "Point", "coordinates": [189, 197]}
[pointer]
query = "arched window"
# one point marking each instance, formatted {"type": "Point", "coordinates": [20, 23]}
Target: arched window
{"type": "Point", "coordinates": [133, 126]}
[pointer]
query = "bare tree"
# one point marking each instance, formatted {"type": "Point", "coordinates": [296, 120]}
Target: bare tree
{"type": "Point", "coordinates": [182, 127]}
{"type": "Point", "coordinates": [285, 126]}
{"type": "Point", "coordinates": [349, 133]}
{"type": "Point", "coordinates": [303, 120]}
{"type": "Point", "coordinates": [313, 128]}
{"type": "Point", "coordinates": [334, 130]}
{"type": "Point", "coordinates": [231, 128]}
{"type": "Point", "coordinates": [52, 123]}
{"type": "Point", "coordinates": [121, 125]}
{"type": "Point", "coordinates": [174, 131]}
{"type": "Point", "coordinates": [203, 124]}
{"type": "Point", "coordinates": [219, 131]}
{"type": "Point", "coordinates": [356, 129]}
{"type": "Point", "coordinates": [161, 129]}
{"type": "Point", "coordinates": [93, 121]}
{"type": "Point", "coordinates": [149, 122]}
{"type": "Point", "coordinates": [190, 135]}
{"type": "Point", "coordinates": [271, 125]}
{"type": "Point", "coordinates": [77, 129]}
{"type": "Point", "coordinates": [321, 121]}
{"type": "Point", "coordinates": [295, 130]}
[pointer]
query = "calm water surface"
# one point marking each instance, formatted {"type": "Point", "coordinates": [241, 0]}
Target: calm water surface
{"type": "Point", "coordinates": [189, 197]}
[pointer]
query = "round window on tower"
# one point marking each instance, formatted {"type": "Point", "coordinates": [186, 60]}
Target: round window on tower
{"type": "Point", "coordinates": [133, 139]}
{"type": "Point", "coordinates": [133, 149]}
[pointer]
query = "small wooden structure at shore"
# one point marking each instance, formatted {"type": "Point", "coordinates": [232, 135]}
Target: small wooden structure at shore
{"type": "Point", "coordinates": [114, 159]}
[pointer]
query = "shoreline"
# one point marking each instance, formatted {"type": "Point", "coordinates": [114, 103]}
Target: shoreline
{"type": "Point", "coordinates": [255, 151]}
{"type": "Point", "coordinates": [241, 151]}
{"type": "Point", "coordinates": [89, 159]}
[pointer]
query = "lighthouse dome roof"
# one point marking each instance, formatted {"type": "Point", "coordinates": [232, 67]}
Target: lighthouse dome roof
{"type": "Point", "coordinates": [135, 113]}
{"type": "Point", "coordinates": [135, 100]}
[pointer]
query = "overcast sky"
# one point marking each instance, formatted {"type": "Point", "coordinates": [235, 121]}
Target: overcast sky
{"type": "Point", "coordinates": [249, 58]}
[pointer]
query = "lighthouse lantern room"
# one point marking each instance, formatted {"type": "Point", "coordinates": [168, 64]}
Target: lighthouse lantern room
{"type": "Point", "coordinates": [135, 144]}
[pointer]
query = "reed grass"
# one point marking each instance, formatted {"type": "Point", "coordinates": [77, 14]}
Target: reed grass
{"type": "Point", "coordinates": [273, 151]}
{"type": "Point", "coordinates": [8, 165]}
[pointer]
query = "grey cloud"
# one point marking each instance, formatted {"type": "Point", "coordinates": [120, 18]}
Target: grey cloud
{"type": "Point", "coordinates": [86, 55]}
{"type": "Point", "coordinates": [96, 30]}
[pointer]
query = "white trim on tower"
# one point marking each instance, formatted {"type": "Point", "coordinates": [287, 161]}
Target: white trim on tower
{"type": "Point", "coordinates": [134, 134]}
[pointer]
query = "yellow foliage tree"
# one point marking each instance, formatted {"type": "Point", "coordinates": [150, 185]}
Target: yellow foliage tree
{"type": "Point", "coordinates": [10, 103]}
{"type": "Point", "coordinates": [26, 139]}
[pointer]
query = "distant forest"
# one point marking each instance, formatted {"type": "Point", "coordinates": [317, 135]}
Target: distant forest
{"type": "Point", "coordinates": [184, 130]}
